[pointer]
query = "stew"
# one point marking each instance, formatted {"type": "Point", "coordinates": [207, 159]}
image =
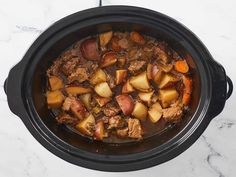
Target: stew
{"type": "Point", "coordinates": [119, 85]}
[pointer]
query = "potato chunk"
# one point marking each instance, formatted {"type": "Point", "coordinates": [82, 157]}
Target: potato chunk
{"type": "Point", "coordinates": [127, 87]}
{"type": "Point", "coordinates": [167, 80]}
{"type": "Point", "coordinates": [104, 38]}
{"type": "Point", "coordinates": [140, 82]}
{"type": "Point", "coordinates": [120, 76]}
{"type": "Point", "coordinates": [137, 38]}
{"type": "Point", "coordinates": [86, 99]}
{"type": "Point", "coordinates": [140, 111]}
{"type": "Point", "coordinates": [102, 101]}
{"type": "Point", "coordinates": [77, 90]}
{"type": "Point", "coordinates": [55, 99]}
{"type": "Point", "coordinates": [126, 103]}
{"type": "Point", "coordinates": [108, 59]}
{"type": "Point", "coordinates": [99, 130]}
{"type": "Point", "coordinates": [86, 126]}
{"type": "Point", "coordinates": [55, 83]}
{"type": "Point", "coordinates": [146, 97]}
{"type": "Point", "coordinates": [103, 90]}
{"type": "Point", "coordinates": [167, 96]}
{"type": "Point", "coordinates": [98, 77]}
{"type": "Point", "coordinates": [155, 112]}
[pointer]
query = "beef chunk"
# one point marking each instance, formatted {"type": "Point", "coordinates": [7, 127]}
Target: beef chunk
{"type": "Point", "coordinates": [123, 43]}
{"type": "Point", "coordinates": [172, 114]}
{"type": "Point", "coordinates": [69, 66]}
{"type": "Point", "coordinates": [54, 70]}
{"type": "Point", "coordinates": [79, 75]}
{"type": "Point", "coordinates": [67, 119]}
{"type": "Point", "coordinates": [135, 130]}
{"type": "Point", "coordinates": [122, 133]}
{"type": "Point", "coordinates": [136, 65]}
{"type": "Point", "coordinates": [111, 110]}
{"type": "Point", "coordinates": [116, 122]}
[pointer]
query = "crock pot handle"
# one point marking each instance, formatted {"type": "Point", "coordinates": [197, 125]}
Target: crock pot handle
{"type": "Point", "coordinates": [230, 87]}
{"type": "Point", "coordinates": [222, 88]}
{"type": "Point", "coordinates": [12, 88]}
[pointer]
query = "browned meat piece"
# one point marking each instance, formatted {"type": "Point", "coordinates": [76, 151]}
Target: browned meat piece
{"type": "Point", "coordinates": [123, 43]}
{"type": "Point", "coordinates": [105, 119]}
{"type": "Point", "coordinates": [67, 119]}
{"type": "Point", "coordinates": [134, 54]}
{"type": "Point", "coordinates": [116, 122]}
{"type": "Point", "coordinates": [136, 65]}
{"type": "Point", "coordinates": [135, 130]}
{"type": "Point", "coordinates": [111, 110]}
{"type": "Point", "coordinates": [162, 52]}
{"type": "Point", "coordinates": [111, 81]}
{"type": "Point", "coordinates": [79, 75]}
{"type": "Point", "coordinates": [122, 133]}
{"type": "Point", "coordinates": [54, 70]}
{"type": "Point", "coordinates": [69, 66]}
{"type": "Point", "coordinates": [172, 114]}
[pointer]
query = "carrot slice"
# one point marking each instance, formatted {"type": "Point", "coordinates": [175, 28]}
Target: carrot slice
{"type": "Point", "coordinates": [181, 66]}
{"type": "Point", "coordinates": [187, 90]}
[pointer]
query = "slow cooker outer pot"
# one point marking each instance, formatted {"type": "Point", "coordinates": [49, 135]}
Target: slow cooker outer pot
{"type": "Point", "coordinates": [213, 93]}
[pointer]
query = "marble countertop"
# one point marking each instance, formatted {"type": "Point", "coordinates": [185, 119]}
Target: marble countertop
{"type": "Point", "coordinates": [213, 21]}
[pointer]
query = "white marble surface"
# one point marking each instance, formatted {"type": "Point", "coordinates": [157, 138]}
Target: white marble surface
{"type": "Point", "coordinates": [213, 155]}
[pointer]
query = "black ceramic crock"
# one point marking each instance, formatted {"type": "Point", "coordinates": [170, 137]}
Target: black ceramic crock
{"type": "Point", "coordinates": [26, 83]}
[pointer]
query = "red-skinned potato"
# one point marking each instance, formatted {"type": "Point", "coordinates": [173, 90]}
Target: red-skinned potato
{"type": "Point", "coordinates": [102, 101]}
{"type": "Point", "coordinates": [140, 111]}
{"type": "Point", "coordinates": [86, 126]}
{"type": "Point", "coordinates": [78, 109]}
{"type": "Point", "coordinates": [99, 130]}
{"type": "Point", "coordinates": [77, 90]}
{"type": "Point", "coordinates": [140, 82]}
{"type": "Point", "coordinates": [103, 90]}
{"type": "Point", "coordinates": [104, 38]}
{"type": "Point", "coordinates": [127, 87]}
{"type": "Point", "coordinates": [89, 49]}
{"type": "Point", "coordinates": [126, 103]}
{"type": "Point", "coordinates": [55, 83]}
{"type": "Point", "coordinates": [120, 76]}
{"type": "Point", "coordinates": [108, 59]}
{"type": "Point", "coordinates": [155, 112]}
{"type": "Point", "coordinates": [146, 97]}
{"type": "Point", "coordinates": [98, 76]}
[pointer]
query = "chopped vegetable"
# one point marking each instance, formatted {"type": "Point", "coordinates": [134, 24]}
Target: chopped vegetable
{"type": "Point", "coordinates": [108, 59]}
{"type": "Point", "coordinates": [102, 100]}
{"type": "Point", "coordinates": [77, 90]}
{"type": "Point", "coordinates": [187, 90]}
{"type": "Point", "coordinates": [103, 90]}
{"type": "Point", "coordinates": [167, 80]}
{"type": "Point", "coordinates": [140, 82]}
{"type": "Point", "coordinates": [138, 38]}
{"type": "Point", "coordinates": [126, 103]}
{"type": "Point", "coordinates": [168, 96]}
{"type": "Point", "coordinates": [99, 130]}
{"type": "Point", "coordinates": [89, 49]}
{"type": "Point", "coordinates": [155, 112]}
{"type": "Point", "coordinates": [86, 126]}
{"type": "Point", "coordinates": [86, 99]}
{"type": "Point", "coordinates": [127, 87]}
{"type": "Point", "coordinates": [181, 66]}
{"type": "Point", "coordinates": [120, 76]}
{"type": "Point", "coordinates": [140, 111]}
{"type": "Point", "coordinates": [105, 38]}
{"type": "Point", "coordinates": [146, 97]}
{"type": "Point", "coordinates": [55, 99]}
{"type": "Point", "coordinates": [55, 83]}
{"type": "Point", "coordinates": [98, 76]}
